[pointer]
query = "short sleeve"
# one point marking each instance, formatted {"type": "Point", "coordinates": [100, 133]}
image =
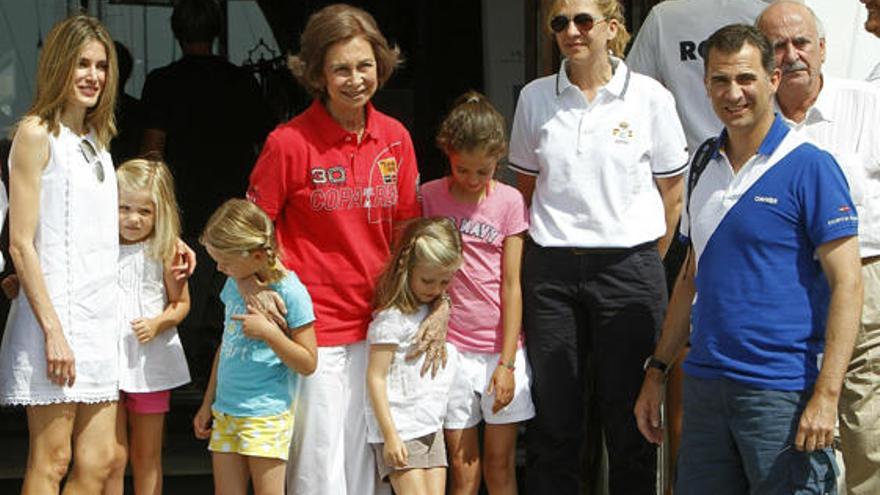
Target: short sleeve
{"type": "Point", "coordinates": [684, 224]}
{"type": "Point", "coordinates": [229, 293]}
{"type": "Point", "coordinates": [522, 155]}
{"type": "Point", "coordinates": [643, 57]}
{"type": "Point", "coordinates": [268, 180]}
{"type": "Point", "coordinates": [517, 214]}
{"type": "Point", "coordinates": [297, 300]}
{"type": "Point", "coordinates": [669, 153]}
{"type": "Point", "coordinates": [389, 326]}
{"type": "Point", "coordinates": [430, 192]}
{"type": "Point", "coordinates": [408, 204]}
{"type": "Point", "coordinates": [828, 208]}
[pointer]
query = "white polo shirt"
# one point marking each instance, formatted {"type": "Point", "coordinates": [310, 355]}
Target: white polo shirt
{"type": "Point", "coordinates": [596, 161]}
{"type": "Point", "coordinates": [845, 120]}
{"type": "Point", "coordinates": [874, 76]}
{"type": "Point", "coordinates": [668, 48]}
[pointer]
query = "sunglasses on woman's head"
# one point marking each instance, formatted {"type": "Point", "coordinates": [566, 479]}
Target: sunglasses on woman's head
{"type": "Point", "coordinates": [91, 155]}
{"type": "Point", "coordinates": [583, 21]}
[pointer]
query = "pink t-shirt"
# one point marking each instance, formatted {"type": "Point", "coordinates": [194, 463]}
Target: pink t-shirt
{"type": "Point", "coordinates": [475, 322]}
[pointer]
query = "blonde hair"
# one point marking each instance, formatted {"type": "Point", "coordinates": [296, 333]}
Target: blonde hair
{"type": "Point", "coordinates": [473, 124]}
{"type": "Point", "coordinates": [611, 10]}
{"type": "Point", "coordinates": [433, 241]}
{"type": "Point", "coordinates": [153, 176]}
{"type": "Point", "coordinates": [240, 226]}
{"type": "Point", "coordinates": [55, 72]}
{"type": "Point", "coordinates": [335, 24]}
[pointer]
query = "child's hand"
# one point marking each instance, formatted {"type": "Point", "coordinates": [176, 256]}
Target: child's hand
{"type": "Point", "coordinates": [503, 384]}
{"type": "Point", "coordinates": [394, 452]}
{"type": "Point", "coordinates": [144, 329]}
{"type": "Point", "coordinates": [202, 422]}
{"type": "Point", "coordinates": [10, 286]}
{"type": "Point", "coordinates": [256, 325]}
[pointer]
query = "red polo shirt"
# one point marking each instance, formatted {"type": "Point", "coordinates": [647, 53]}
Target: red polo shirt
{"type": "Point", "coordinates": [336, 204]}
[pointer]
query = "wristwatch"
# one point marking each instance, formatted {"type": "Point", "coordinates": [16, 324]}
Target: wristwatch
{"type": "Point", "coordinates": [653, 362]}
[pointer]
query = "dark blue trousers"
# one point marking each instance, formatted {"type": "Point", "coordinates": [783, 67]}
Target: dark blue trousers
{"type": "Point", "coordinates": [608, 305]}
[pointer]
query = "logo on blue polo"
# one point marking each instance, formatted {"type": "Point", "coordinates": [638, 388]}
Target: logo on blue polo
{"type": "Point", "coordinates": [770, 200]}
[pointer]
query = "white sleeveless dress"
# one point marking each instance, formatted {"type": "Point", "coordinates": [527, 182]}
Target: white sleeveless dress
{"type": "Point", "coordinates": [160, 364]}
{"type": "Point", "coordinates": [77, 242]}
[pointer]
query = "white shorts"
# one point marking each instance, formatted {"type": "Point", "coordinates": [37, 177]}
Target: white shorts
{"type": "Point", "coordinates": [468, 401]}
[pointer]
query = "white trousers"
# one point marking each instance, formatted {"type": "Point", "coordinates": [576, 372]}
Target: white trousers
{"type": "Point", "coordinates": [329, 453]}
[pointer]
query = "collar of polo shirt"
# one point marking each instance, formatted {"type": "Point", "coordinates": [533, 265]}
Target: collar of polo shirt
{"type": "Point", "coordinates": [617, 86]}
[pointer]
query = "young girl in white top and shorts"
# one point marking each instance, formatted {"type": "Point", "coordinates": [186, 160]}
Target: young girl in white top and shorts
{"type": "Point", "coordinates": [406, 410]}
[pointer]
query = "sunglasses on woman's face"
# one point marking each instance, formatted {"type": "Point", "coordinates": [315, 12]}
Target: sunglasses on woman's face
{"type": "Point", "coordinates": [91, 155]}
{"type": "Point", "coordinates": [583, 21]}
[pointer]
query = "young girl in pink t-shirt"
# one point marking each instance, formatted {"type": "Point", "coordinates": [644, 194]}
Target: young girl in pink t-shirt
{"type": "Point", "coordinates": [491, 381]}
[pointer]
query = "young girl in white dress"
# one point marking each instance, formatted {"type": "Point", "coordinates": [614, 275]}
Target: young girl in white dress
{"type": "Point", "coordinates": [152, 302]}
{"type": "Point", "coordinates": [405, 411]}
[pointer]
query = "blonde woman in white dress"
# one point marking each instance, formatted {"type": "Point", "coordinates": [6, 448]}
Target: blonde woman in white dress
{"type": "Point", "coordinates": [59, 350]}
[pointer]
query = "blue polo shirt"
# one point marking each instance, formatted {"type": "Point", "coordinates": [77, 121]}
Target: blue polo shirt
{"type": "Point", "coordinates": [762, 298]}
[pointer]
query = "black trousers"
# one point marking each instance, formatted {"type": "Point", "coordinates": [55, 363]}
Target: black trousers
{"type": "Point", "coordinates": [604, 304]}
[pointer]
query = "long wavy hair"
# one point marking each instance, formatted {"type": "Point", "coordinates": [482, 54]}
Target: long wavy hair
{"type": "Point", "coordinates": [55, 72]}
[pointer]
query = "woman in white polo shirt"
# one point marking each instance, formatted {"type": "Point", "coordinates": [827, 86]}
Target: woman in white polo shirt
{"type": "Point", "coordinates": [601, 155]}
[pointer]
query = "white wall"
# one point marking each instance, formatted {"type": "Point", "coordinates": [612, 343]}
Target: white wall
{"type": "Point", "coordinates": [850, 51]}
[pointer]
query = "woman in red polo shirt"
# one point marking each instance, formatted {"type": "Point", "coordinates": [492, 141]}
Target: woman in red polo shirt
{"type": "Point", "coordinates": [337, 180]}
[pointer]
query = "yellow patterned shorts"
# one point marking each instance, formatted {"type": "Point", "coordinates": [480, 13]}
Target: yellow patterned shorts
{"type": "Point", "coordinates": [257, 436]}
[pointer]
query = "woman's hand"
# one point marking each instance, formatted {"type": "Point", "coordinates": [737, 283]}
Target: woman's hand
{"type": "Point", "coordinates": [144, 329]}
{"type": "Point", "coordinates": [503, 384]}
{"type": "Point", "coordinates": [264, 299]}
{"type": "Point", "coordinates": [184, 261]}
{"type": "Point", "coordinates": [202, 422]}
{"type": "Point", "coordinates": [394, 452]}
{"type": "Point", "coordinates": [431, 339]}
{"type": "Point", "coordinates": [256, 325]}
{"type": "Point", "coordinates": [60, 364]}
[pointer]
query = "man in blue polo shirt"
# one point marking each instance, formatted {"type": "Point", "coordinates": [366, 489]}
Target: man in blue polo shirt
{"type": "Point", "coordinates": [776, 274]}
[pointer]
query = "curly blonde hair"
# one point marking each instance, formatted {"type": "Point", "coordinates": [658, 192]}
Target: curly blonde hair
{"type": "Point", "coordinates": [239, 226]}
